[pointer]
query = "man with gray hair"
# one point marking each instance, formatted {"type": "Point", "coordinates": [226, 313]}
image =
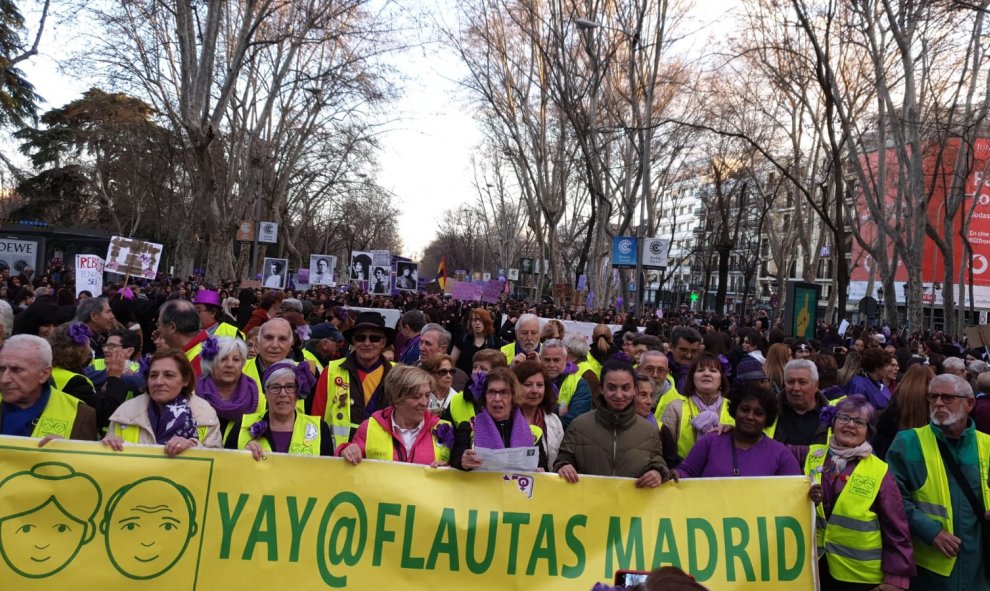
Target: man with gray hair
{"type": "Point", "coordinates": [577, 353]}
{"type": "Point", "coordinates": [435, 340]}
{"type": "Point", "coordinates": [30, 406]}
{"type": "Point", "coordinates": [798, 422]}
{"type": "Point", "coordinates": [179, 327]}
{"type": "Point", "coordinates": [955, 366]}
{"type": "Point", "coordinates": [527, 343]}
{"type": "Point", "coordinates": [573, 393]}
{"type": "Point", "coordinates": [96, 314]}
{"type": "Point", "coordinates": [6, 321]}
{"type": "Point", "coordinates": [942, 471]}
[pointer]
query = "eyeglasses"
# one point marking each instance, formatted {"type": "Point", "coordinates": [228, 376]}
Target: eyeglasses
{"type": "Point", "coordinates": [371, 338]}
{"type": "Point", "coordinates": [279, 388]}
{"type": "Point", "coordinates": [111, 346]}
{"type": "Point", "coordinates": [945, 398]}
{"type": "Point", "coordinates": [498, 393]}
{"type": "Point", "coordinates": [846, 419]}
{"type": "Point", "coordinates": [444, 372]}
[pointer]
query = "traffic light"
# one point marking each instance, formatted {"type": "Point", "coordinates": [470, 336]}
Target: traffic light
{"type": "Point", "coordinates": [694, 296]}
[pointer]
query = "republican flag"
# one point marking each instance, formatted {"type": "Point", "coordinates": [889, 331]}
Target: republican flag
{"type": "Point", "coordinates": [442, 273]}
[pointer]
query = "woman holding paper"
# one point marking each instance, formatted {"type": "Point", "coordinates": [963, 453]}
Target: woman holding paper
{"type": "Point", "coordinates": [499, 425]}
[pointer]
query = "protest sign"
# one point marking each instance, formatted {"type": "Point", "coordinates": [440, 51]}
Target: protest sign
{"type": "Point", "coordinates": [215, 519]}
{"type": "Point", "coordinates": [89, 274]}
{"type": "Point", "coordinates": [130, 256]}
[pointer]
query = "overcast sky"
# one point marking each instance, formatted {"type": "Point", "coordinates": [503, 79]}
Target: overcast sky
{"type": "Point", "coordinates": [426, 152]}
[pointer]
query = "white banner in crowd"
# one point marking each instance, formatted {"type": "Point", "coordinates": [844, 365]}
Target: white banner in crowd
{"type": "Point", "coordinates": [89, 274]}
{"type": "Point", "coordinates": [585, 329]}
{"type": "Point", "coordinates": [18, 254]}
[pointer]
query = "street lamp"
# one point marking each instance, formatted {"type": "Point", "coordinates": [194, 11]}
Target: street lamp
{"type": "Point", "coordinates": [645, 158]}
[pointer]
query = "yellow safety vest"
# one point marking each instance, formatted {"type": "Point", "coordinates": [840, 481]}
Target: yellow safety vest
{"type": "Point", "coordinates": [685, 432]}
{"type": "Point", "coordinates": [509, 351]}
{"type": "Point", "coordinates": [305, 435]}
{"type": "Point", "coordinates": [460, 409]}
{"type": "Point", "coordinates": [567, 389]}
{"type": "Point", "coordinates": [58, 417]}
{"type": "Point", "coordinates": [338, 410]}
{"type": "Point", "coordinates": [60, 378]}
{"type": "Point", "coordinates": [225, 329]}
{"type": "Point", "coordinates": [193, 353]}
{"type": "Point", "coordinates": [591, 364]}
{"type": "Point", "coordinates": [309, 356]}
{"type": "Point", "coordinates": [101, 365]}
{"type": "Point", "coordinates": [669, 396]}
{"type": "Point", "coordinates": [380, 445]}
{"type": "Point", "coordinates": [933, 497]}
{"type": "Point", "coordinates": [132, 433]}
{"type": "Point", "coordinates": [726, 419]}
{"type": "Point", "coordinates": [850, 539]}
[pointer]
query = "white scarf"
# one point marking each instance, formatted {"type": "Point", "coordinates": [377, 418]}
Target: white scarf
{"type": "Point", "coordinates": [841, 455]}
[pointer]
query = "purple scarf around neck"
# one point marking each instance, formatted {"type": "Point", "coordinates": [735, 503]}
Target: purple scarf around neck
{"type": "Point", "coordinates": [171, 419]}
{"type": "Point", "coordinates": [243, 400]}
{"type": "Point", "coordinates": [488, 436]}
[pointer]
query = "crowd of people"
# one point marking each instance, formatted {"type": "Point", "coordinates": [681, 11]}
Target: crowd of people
{"type": "Point", "coordinates": [891, 429]}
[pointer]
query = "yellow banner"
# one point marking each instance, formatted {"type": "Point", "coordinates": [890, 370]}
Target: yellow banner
{"type": "Point", "coordinates": [79, 516]}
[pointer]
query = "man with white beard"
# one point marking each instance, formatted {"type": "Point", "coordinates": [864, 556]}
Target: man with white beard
{"type": "Point", "coordinates": [942, 471]}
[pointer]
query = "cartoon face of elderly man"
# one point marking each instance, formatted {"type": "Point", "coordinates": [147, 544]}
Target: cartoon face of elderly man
{"type": "Point", "coordinates": [148, 525]}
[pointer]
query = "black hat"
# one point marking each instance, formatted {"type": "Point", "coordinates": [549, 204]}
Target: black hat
{"type": "Point", "coordinates": [371, 320]}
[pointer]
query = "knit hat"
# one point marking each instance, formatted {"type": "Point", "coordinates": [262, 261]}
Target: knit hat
{"type": "Point", "coordinates": [749, 370]}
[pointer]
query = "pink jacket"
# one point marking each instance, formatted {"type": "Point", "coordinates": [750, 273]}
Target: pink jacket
{"type": "Point", "coordinates": [422, 449]}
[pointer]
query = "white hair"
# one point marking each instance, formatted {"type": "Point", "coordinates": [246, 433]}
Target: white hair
{"type": "Point", "coordinates": [577, 347]}
{"type": "Point", "coordinates": [225, 346]}
{"type": "Point", "coordinates": [954, 363]}
{"type": "Point", "coordinates": [960, 387]}
{"type": "Point", "coordinates": [524, 318]}
{"type": "Point", "coordinates": [802, 364]}
{"type": "Point", "coordinates": [554, 344]}
{"type": "Point", "coordinates": [279, 373]}
{"type": "Point", "coordinates": [6, 318]}
{"type": "Point", "coordinates": [41, 347]}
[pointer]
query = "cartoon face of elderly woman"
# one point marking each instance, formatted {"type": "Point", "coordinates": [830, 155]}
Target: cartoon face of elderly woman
{"type": "Point", "coordinates": [148, 525]}
{"type": "Point", "coordinates": [41, 532]}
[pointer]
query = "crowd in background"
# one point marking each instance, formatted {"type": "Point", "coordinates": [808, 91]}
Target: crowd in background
{"type": "Point", "coordinates": [674, 395]}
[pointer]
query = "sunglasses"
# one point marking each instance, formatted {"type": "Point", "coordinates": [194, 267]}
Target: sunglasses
{"type": "Point", "coordinates": [444, 372]}
{"type": "Point", "coordinates": [371, 338]}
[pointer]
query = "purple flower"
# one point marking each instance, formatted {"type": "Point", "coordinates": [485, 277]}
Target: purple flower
{"type": "Point", "coordinates": [79, 333]}
{"type": "Point", "coordinates": [827, 414]}
{"type": "Point", "coordinates": [478, 382]}
{"type": "Point", "coordinates": [444, 434]}
{"type": "Point", "coordinates": [258, 429]}
{"type": "Point", "coordinates": [303, 332]}
{"type": "Point", "coordinates": [127, 294]}
{"type": "Point", "coordinates": [144, 365]}
{"type": "Point", "coordinates": [211, 348]}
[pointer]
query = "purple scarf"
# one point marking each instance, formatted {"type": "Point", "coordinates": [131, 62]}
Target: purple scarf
{"type": "Point", "coordinates": [171, 419]}
{"type": "Point", "coordinates": [244, 399]}
{"type": "Point", "coordinates": [487, 435]}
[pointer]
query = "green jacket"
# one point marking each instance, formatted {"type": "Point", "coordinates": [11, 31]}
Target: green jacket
{"type": "Point", "coordinates": [907, 464]}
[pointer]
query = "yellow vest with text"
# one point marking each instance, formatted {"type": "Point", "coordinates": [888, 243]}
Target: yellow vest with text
{"type": "Point", "coordinates": [305, 435]}
{"type": "Point", "coordinates": [60, 378]}
{"type": "Point", "coordinates": [850, 539]}
{"type": "Point", "coordinates": [380, 445]}
{"type": "Point", "coordinates": [726, 419]}
{"type": "Point", "coordinates": [933, 497]}
{"type": "Point", "coordinates": [460, 409]}
{"type": "Point", "coordinates": [58, 417]}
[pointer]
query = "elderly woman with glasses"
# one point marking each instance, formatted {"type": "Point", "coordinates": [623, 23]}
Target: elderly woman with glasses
{"type": "Point", "coordinates": [282, 427]}
{"type": "Point", "coordinates": [500, 423]}
{"type": "Point", "coordinates": [863, 537]}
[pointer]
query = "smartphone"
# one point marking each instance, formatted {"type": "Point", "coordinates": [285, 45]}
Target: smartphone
{"type": "Point", "coordinates": [629, 578]}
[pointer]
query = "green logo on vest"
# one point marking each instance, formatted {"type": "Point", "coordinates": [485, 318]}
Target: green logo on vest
{"type": "Point", "coordinates": [49, 426]}
{"type": "Point", "coordinates": [863, 486]}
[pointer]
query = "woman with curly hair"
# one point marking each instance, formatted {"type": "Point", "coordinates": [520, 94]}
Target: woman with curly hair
{"type": "Point", "coordinates": [480, 334]}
